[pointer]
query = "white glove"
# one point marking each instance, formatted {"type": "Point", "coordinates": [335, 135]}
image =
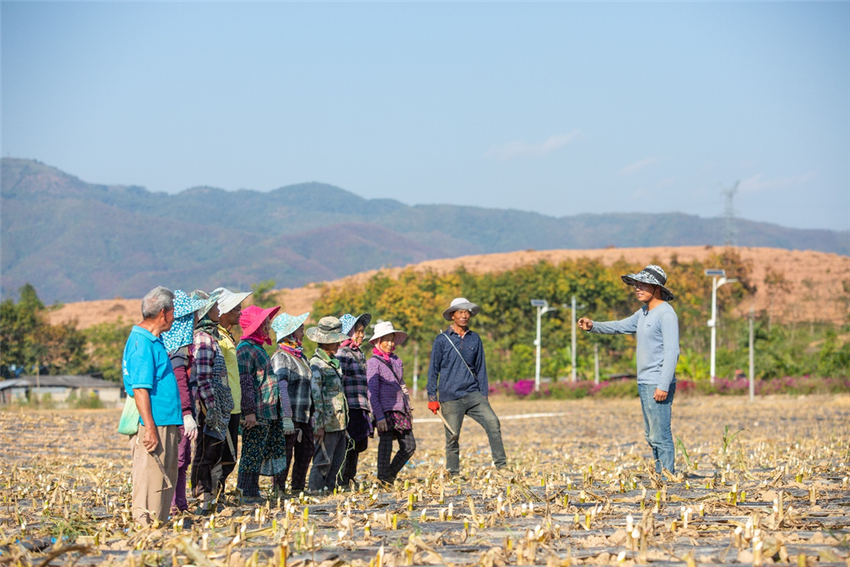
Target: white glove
{"type": "Point", "coordinates": [190, 428]}
{"type": "Point", "coordinates": [288, 426]}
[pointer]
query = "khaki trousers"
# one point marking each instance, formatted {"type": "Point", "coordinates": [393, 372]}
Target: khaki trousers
{"type": "Point", "coordinates": [151, 498]}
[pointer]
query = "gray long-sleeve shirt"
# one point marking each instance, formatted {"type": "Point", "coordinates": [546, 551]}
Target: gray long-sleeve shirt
{"type": "Point", "coordinates": [657, 342]}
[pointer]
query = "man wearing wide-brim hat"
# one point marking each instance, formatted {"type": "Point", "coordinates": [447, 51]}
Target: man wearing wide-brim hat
{"type": "Point", "coordinates": [458, 386]}
{"type": "Point", "coordinates": [657, 328]}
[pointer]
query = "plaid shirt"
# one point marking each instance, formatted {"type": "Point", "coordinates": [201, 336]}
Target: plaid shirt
{"type": "Point", "coordinates": [386, 383]}
{"type": "Point", "coordinates": [297, 376]}
{"type": "Point", "coordinates": [260, 392]}
{"type": "Point", "coordinates": [207, 365]}
{"type": "Point", "coordinates": [352, 366]}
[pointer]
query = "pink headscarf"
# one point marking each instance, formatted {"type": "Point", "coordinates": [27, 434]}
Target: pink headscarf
{"type": "Point", "coordinates": [251, 320]}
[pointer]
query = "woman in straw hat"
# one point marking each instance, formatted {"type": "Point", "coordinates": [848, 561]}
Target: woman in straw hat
{"type": "Point", "coordinates": [215, 402]}
{"type": "Point", "coordinates": [656, 326]}
{"type": "Point", "coordinates": [331, 407]}
{"type": "Point", "coordinates": [352, 364]}
{"type": "Point", "coordinates": [265, 424]}
{"type": "Point", "coordinates": [390, 401]}
{"type": "Point", "coordinates": [295, 375]}
{"type": "Point", "coordinates": [177, 341]}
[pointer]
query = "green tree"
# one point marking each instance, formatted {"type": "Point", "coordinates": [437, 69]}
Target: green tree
{"type": "Point", "coordinates": [263, 294]}
{"type": "Point", "coordinates": [106, 347]}
{"type": "Point", "coordinates": [27, 338]}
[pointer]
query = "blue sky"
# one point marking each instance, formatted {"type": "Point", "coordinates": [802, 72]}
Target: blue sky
{"type": "Point", "coordinates": [559, 108]}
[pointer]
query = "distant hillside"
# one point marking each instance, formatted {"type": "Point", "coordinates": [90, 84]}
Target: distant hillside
{"type": "Point", "coordinates": [817, 284]}
{"type": "Point", "coordinates": [78, 241]}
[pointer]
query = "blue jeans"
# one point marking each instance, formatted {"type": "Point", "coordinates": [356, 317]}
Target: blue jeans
{"type": "Point", "coordinates": [656, 423]}
{"type": "Point", "coordinates": [476, 406]}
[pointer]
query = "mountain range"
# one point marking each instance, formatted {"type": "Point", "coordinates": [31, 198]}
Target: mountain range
{"type": "Point", "coordinates": [79, 241]}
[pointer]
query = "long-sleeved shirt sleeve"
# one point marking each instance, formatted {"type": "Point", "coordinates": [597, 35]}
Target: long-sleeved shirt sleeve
{"type": "Point", "coordinates": [203, 367]}
{"type": "Point", "coordinates": [321, 410]}
{"type": "Point", "coordinates": [433, 370]}
{"type": "Point", "coordinates": [285, 402]}
{"type": "Point", "coordinates": [247, 368]}
{"type": "Point", "coordinates": [481, 372]}
{"type": "Point", "coordinates": [373, 377]}
{"type": "Point", "coordinates": [180, 365]}
{"type": "Point", "coordinates": [627, 326]}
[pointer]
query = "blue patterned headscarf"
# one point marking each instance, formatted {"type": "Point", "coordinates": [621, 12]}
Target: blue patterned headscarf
{"type": "Point", "coordinates": [184, 321]}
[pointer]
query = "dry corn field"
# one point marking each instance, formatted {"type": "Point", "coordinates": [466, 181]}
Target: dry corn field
{"type": "Point", "coordinates": [758, 483]}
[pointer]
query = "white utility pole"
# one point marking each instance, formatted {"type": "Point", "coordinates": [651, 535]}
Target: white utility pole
{"type": "Point", "coordinates": [718, 279]}
{"type": "Point", "coordinates": [596, 363]}
{"type": "Point", "coordinates": [542, 308]}
{"type": "Point", "coordinates": [752, 372]}
{"type": "Point", "coordinates": [415, 369]}
{"type": "Point", "coordinates": [573, 308]}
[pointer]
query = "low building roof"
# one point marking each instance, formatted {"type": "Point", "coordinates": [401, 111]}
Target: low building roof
{"type": "Point", "coordinates": [63, 381]}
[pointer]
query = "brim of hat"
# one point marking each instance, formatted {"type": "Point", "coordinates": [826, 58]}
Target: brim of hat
{"type": "Point", "coordinates": [229, 303]}
{"type": "Point", "coordinates": [263, 315]}
{"type": "Point", "coordinates": [363, 320]}
{"type": "Point", "coordinates": [471, 307]}
{"type": "Point", "coordinates": [317, 336]}
{"type": "Point", "coordinates": [400, 337]}
{"type": "Point", "coordinates": [202, 312]}
{"type": "Point", "coordinates": [291, 326]}
{"type": "Point", "coordinates": [632, 279]}
{"type": "Point", "coordinates": [194, 305]}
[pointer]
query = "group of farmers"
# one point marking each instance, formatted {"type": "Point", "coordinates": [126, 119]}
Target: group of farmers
{"type": "Point", "coordinates": [196, 388]}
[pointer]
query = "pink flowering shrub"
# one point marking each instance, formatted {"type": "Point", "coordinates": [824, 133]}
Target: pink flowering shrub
{"type": "Point", "coordinates": [627, 388]}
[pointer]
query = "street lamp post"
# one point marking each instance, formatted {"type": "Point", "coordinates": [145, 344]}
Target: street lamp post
{"type": "Point", "coordinates": [542, 308]}
{"type": "Point", "coordinates": [573, 308]}
{"type": "Point", "coordinates": [718, 278]}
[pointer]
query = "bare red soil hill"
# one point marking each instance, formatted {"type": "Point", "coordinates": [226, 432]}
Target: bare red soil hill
{"type": "Point", "coordinates": [815, 281]}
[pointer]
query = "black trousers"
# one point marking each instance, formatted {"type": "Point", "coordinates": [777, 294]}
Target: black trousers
{"type": "Point", "coordinates": [358, 433]}
{"type": "Point", "coordinates": [303, 454]}
{"type": "Point", "coordinates": [206, 464]}
{"type": "Point", "coordinates": [389, 469]}
{"type": "Point", "coordinates": [228, 460]}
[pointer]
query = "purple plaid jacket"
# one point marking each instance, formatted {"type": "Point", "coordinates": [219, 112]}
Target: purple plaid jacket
{"type": "Point", "coordinates": [352, 366]}
{"type": "Point", "coordinates": [389, 393]}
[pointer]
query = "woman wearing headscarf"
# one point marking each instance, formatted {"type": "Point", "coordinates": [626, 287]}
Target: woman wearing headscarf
{"type": "Point", "coordinates": [177, 341]}
{"type": "Point", "coordinates": [215, 402]}
{"type": "Point", "coordinates": [331, 408]}
{"type": "Point", "coordinates": [390, 401]}
{"type": "Point", "coordinates": [264, 423]}
{"type": "Point", "coordinates": [295, 376]}
{"type": "Point", "coordinates": [352, 364]}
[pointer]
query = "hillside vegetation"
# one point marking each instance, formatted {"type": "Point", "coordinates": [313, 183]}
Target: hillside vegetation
{"type": "Point", "coordinates": [79, 241]}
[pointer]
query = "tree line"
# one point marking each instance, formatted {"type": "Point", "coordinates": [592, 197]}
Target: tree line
{"type": "Point", "coordinates": [414, 301]}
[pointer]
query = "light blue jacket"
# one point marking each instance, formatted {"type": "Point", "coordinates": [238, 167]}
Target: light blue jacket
{"type": "Point", "coordinates": [657, 342]}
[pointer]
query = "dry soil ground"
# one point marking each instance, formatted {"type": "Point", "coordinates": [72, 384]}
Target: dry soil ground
{"type": "Point", "coordinates": [815, 280]}
{"type": "Point", "coordinates": [761, 482]}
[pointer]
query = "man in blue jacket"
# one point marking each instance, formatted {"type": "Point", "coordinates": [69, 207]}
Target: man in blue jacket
{"type": "Point", "coordinates": [657, 328]}
{"type": "Point", "coordinates": [457, 384]}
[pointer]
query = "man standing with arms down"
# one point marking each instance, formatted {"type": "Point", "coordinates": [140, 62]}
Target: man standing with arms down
{"type": "Point", "coordinates": [457, 383]}
{"type": "Point", "coordinates": [149, 379]}
{"type": "Point", "coordinates": [657, 328]}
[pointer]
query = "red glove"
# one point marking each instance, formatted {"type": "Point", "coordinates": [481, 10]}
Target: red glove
{"type": "Point", "coordinates": [434, 407]}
